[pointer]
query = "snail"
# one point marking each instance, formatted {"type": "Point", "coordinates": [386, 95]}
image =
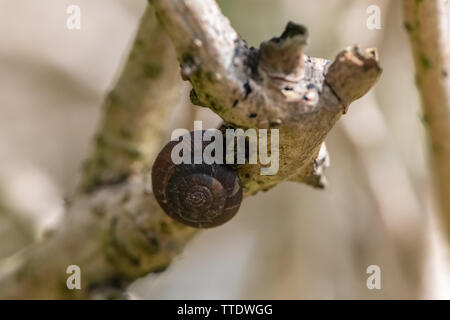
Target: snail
{"type": "Point", "coordinates": [198, 195]}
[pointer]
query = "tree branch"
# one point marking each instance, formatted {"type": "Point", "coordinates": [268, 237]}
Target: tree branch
{"type": "Point", "coordinates": [135, 111]}
{"type": "Point", "coordinates": [426, 24]}
{"type": "Point", "coordinates": [114, 230]}
{"type": "Point", "coordinates": [274, 87]}
{"type": "Point", "coordinates": [113, 217]}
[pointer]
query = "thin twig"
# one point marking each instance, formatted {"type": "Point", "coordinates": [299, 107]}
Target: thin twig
{"type": "Point", "coordinates": [426, 24]}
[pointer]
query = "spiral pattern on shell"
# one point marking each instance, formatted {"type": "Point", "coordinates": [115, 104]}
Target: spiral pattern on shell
{"type": "Point", "coordinates": [198, 195]}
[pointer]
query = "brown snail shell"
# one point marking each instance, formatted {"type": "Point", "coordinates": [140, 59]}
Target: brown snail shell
{"type": "Point", "coordinates": [198, 195]}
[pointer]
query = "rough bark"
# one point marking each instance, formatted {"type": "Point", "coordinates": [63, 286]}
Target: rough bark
{"type": "Point", "coordinates": [426, 24]}
{"type": "Point", "coordinates": [114, 230]}
{"type": "Point", "coordinates": [252, 88]}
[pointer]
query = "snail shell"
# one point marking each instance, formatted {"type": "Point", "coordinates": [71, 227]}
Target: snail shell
{"type": "Point", "coordinates": [198, 195]}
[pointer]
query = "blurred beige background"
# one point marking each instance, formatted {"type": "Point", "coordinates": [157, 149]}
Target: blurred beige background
{"type": "Point", "coordinates": [292, 242]}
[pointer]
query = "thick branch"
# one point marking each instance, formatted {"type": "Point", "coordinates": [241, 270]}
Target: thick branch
{"type": "Point", "coordinates": [135, 110]}
{"type": "Point", "coordinates": [113, 229]}
{"type": "Point", "coordinates": [274, 87]}
{"type": "Point", "coordinates": [426, 24]}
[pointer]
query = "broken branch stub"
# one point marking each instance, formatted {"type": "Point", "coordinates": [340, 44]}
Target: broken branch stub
{"type": "Point", "coordinates": [282, 57]}
{"type": "Point", "coordinates": [353, 73]}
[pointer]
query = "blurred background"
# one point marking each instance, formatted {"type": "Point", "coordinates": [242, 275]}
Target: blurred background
{"type": "Point", "coordinates": [292, 242]}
